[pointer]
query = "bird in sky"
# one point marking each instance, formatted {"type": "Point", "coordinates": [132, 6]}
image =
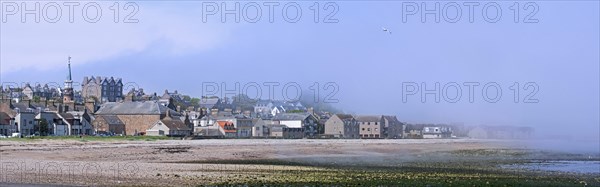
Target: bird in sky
{"type": "Point", "coordinates": [386, 30]}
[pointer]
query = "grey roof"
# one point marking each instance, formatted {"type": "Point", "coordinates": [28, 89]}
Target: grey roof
{"type": "Point", "coordinates": [208, 102]}
{"type": "Point", "coordinates": [134, 108]}
{"type": "Point", "coordinates": [36, 105]}
{"type": "Point", "coordinates": [368, 118]}
{"type": "Point", "coordinates": [241, 116]}
{"type": "Point", "coordinates": [392, 119]}
{"type": "Point", "coordinates": [208, 132]}
{"type": "Point", "coordinates": [175, 125]}
{"type": "Point", "coordinates": [291, 116]}
{"type": "Point", "coordinates": [67, 115]}
{"type": "Point", "coordinates": [112, 120]}
{"type": "Point", "coordinates": [21, 106]}
{"type": "Point", "coordinates": [52, 115]}
{"type": "Point", "coordinates": [255, 120]}
{"type": "Point", "coordinates": [344, 116]}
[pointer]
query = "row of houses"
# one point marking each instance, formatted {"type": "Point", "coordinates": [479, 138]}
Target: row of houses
{"type": "Point", "coordinates": [156, 118]}
{"type": "Point", "coordinates": [26, 118]}
{"type": "Point", "coordinates": [364, 126]}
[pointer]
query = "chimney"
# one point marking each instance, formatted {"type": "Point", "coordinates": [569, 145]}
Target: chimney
{"type": "Point", "coordinates": [28, 102]}
{"type": "Point", "coordinates": [203, 111]}
{"type": "Point", "coordinates": [90, 105]}
{"type": "Point", "coordinates": [167, 114]}
{"type": "Point", "coordinates": [60, 108]}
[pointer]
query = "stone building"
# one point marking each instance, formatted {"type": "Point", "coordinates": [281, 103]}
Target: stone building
{"type": "Point", "coordinates": [393, 128]}
{"type": "Point", "coordinates": [108, 124]}
{"type": "Point", "coordinates": [103, 89]}
{"type": "Point", "coordinates": [342, 126]}
{"type": "Point", "coordinates": [137, 116]}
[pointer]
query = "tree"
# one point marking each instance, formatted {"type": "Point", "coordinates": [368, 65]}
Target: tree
{"type": "Point", "coordinates": [244, 102]}
{"type": "Point", "coordinates": [42, 127]}
{"type": "Point", "coordinates": [36, 99]}
{"type": "Point", "coordinates": [195, 101]}
{"type": "Point", "coordinates": [318, 102]}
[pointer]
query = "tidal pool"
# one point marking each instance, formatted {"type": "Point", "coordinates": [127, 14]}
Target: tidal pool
{"type": "Point", "coordinates": [583, 167]}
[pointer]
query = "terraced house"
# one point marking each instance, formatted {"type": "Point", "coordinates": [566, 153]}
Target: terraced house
{"type": "Point", "coordinates": [297, 123]}
{"type": "Point", "coordinates": [371, 126]}
{"type": "Point", "coordinates": [342, 126]}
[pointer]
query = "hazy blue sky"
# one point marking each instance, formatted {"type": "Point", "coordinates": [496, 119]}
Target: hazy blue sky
{"type": "Point", "coordinates": [172, 48]}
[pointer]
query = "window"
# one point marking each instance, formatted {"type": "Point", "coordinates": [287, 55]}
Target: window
{"type": "Point", "coordinates": [368, 123]}
{"type": "Point", "coordinates": [368, 129]}
{"type": "Point", "coordinates": [375, 129]}
{"type": "Point", "coordinates": [363, 129]}
{"type": "Point", "coordinates": [375, 123]}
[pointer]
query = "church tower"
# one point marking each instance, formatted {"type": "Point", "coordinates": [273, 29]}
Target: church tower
{"type": "Point", "coordinates": [68, 90]}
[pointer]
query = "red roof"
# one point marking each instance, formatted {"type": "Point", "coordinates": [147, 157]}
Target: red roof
{"type": "Point", "coordinates": [227, 126]}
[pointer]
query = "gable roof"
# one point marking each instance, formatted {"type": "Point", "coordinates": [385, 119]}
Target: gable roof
{"type": "Point", "coordinates": [391, 118]}
{"type": "Point", "coordinates": [134, 108]}
{"type": "Point", "coordinates": [21, 106]}
{"type": "Point", "coordinates": [345, 116]}
{"type": "Point", "coordinates": [222, 124]}
{"type": "Point", "coordinates": [100, 80]}
{"type": "Point", "coordinates": [111, 120]}
{"type": "Point", "coordinates": [175, 124]}
{"type": "Point", "coordinates": [368, 118]}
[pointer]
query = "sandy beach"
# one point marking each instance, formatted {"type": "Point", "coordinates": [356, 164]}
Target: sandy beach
{"type": "Point", "coordinates": [206, 162]}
